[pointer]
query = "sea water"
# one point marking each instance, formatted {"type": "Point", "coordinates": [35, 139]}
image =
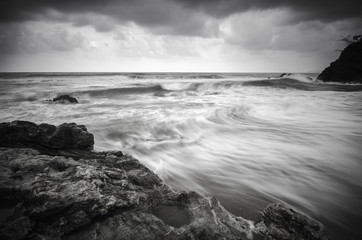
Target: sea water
{"type": "Point", "coordinates": [248, 139]}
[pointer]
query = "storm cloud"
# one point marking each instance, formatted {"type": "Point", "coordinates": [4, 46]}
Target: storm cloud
{"type": "Point", "coordinates": [324, 10]}
{"type": "Point", "coordinates": [213, 33]}
{"type": "Point", "coordinates": [159, 15]}
{"type": "Point", "coordinates": [183, 17]}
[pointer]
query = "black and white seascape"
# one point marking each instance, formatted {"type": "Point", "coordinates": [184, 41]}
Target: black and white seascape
{"type": "Point", "coordinates": [247, 139]}
{"type": "Point", "coordinates": [181, 119]}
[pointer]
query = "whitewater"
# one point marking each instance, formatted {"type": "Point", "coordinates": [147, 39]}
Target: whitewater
{"type": "Point", "coordinates": [248, 139]}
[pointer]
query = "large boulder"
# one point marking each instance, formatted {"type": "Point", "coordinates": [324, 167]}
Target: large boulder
{"type": "Point", "coordinates": [347, 68]}
{"type": "Point", "coordinates": [28, 134]}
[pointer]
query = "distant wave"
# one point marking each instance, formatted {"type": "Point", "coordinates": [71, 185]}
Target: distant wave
{"type": "Point", "coordinates": [297, 83]}
{"type": "Point", "coordinates": [204, 84]}
{"type": "Point", "coordinates": [176, 76]}
{"type": "Point", "coordinates": [290, 83]}
{"type": "Point", "coordinates": [121, 91]}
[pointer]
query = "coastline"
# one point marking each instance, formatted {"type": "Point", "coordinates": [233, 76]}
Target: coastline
{"type": "Point", "coordinates": [58, 187]}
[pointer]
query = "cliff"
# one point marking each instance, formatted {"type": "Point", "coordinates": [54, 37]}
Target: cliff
{"type": "Point", "coordinates": [347, 68]}
{"type": "Point", "coordinates": [52, 186]}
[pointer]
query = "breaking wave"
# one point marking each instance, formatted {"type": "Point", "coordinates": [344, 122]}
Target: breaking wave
{"type": "Point", "coordinates": [110, 92]}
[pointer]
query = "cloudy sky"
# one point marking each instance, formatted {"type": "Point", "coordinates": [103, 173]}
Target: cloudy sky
{"type": "Point", "coordinates": [174, 35]}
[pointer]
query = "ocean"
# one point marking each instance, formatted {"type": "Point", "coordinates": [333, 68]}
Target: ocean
{"type": "Point", "coordinates": [248, 139]}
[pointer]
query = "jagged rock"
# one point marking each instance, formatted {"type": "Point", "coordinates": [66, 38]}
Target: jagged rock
{"type": "Point", "coordinates": [28, 134]}
{"type": "Point", "coordinates": [65, 99]}
{"type": "Point", "coordinates": [77, 194]}
{"type": "Point", "coordinates": [96, 198]}
{"type": "Point", "coordinates": [347, 68]}
{"type": "Point", "coordinates": [282, 222]}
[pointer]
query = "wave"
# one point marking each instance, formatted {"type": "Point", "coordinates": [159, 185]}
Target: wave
{"type": "Point", "coordinates": [181, 87]}
{"type": "Point", "coordinates": [176, 76]}
{"type": "Point", "coordinates": [134, 75]}
{"type": "Point", "coordinates": [294, 82]}
{"type": "Point", "coordinates": [297, 84]}
{"type": "Point", "coordinates": [298, 76]}
{"type": "Point", "coordinates": [46, 96]}
{"type": "Point", "coordinates": [111, 92]}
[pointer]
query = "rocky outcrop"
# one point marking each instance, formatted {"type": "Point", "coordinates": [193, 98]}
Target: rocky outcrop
{"type": "Point", "coordinates": [65, 99]}
{"type": "Point", "coordinates": [28, 134]}
{"type": "Point", "coordinates": [81, 194]}
{"type": "Point", "coordinates": [347, 68]}
{"type": "Point", "coordinates": [282, 222]}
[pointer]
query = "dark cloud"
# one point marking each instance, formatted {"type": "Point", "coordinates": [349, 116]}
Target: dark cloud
{"type": "Point", "coordinates": [167, 16]}
{"type": "Point", "coordinates": [22, 10]}
{"type": "Point", "coordinates": [175, 17]}
{"type": "Point", "coordinates": [324, 10]}
{"type": "Point", "coordinates": [16, 38]}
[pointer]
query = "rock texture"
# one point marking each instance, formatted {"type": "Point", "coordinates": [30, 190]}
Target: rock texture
{"type": "Point", "coordinates": [28, 134]}
{"type": "Point", "coordinates": [347, 68]}
{"type": "Point", "coordinates": [282, 222]}
{"type": "Point", "coordinates": [81, 194]}
{"type": "Point", "coordinates": [65, 99]}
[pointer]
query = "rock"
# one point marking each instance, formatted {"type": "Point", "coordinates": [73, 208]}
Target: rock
{"type": "Point", "coordinates": [65, 99]}
{"type": "Point", "coordinates": [66, 136]}
{"type": "Point", "coordinates": [97, 198]}
{"type": "Point", "coordinates": [285, 75]}
{"type": "Point", "coordinates": [28, 134]}
{"type": "Point", "coordinates": [76, 194]}
{"type": "Point", "coordinates": [347, 68]}
{"type": "Point", "coordinates": [282, 222]}
{"type": "Point", "coordinates": [19, 133]}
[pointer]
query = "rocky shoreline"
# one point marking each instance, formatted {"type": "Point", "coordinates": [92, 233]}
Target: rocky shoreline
{"type": "Point", "coordinates": [53, 186]}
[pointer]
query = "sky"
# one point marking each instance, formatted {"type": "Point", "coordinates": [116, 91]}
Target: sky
{"type": "Point", "coordinates": [174, 35]}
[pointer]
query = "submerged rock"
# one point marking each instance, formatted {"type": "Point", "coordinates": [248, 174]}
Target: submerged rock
{"type": "Point", "coordinates": [347, 68]}
{"type": "Point", "coordinates": [80, 194]}
{"type": "Point", "coordinates": [65, 99]}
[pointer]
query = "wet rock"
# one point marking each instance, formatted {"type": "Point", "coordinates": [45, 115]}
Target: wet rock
{"type": "Point", "coordinates": [18, 133]}
{"type": "Point", "coordinates": [68, 136]}
{"type": "Point", "coordinates": [347, 68]}
{"type": "Point", "coordinates": [81, 194]}
{"type": "Point", "coordinates": [28, 134]}
{"type": "Point", "coordinates": [282, 222]}
{"type": "Point", "coordinates": [65, 99]}
{"type": "Point", "coordinates": [285, 75]}
{"type": "Point", "coordinates": [173, 215]}
{"type": "Point", "coordinates": [94, 198]}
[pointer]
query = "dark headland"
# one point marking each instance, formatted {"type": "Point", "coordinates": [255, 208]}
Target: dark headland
{"type": "Point", "coordinates": [54, 186]}
{"type": "Point", "coordinates": [348, 67]}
